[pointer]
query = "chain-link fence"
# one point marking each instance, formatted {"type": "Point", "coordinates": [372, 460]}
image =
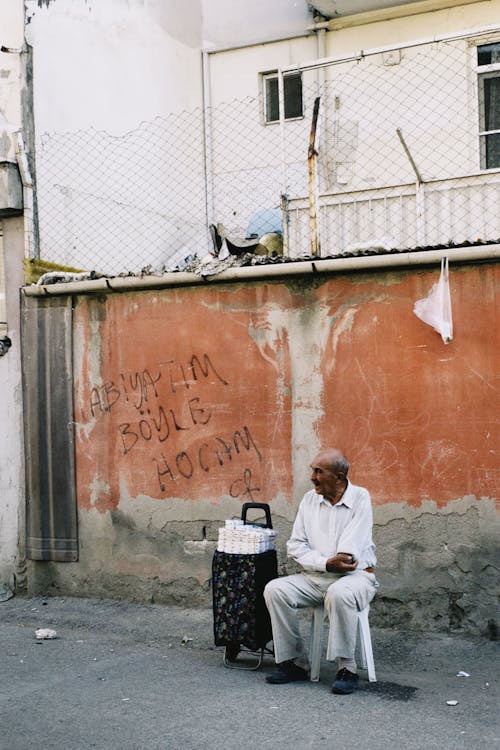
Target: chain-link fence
{"type": "Point", "coordinates": [406, 154]}
{"type": "Point", "coordinates": [117, 204]}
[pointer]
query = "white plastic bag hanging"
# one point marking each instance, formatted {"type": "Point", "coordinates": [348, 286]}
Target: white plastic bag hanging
{"type": "Point", "coordinates": [435, 309]}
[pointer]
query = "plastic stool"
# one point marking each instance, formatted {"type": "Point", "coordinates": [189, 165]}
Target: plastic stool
{"type": "Point", "coordinates": [318, 618]}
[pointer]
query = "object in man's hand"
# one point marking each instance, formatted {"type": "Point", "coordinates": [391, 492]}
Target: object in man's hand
{"type": "Point", "coordinates": [349, 558]}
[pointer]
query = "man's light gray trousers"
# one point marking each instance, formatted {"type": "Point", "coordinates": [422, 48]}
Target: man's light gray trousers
{"type": "Point", "coordinates": [343, 596]}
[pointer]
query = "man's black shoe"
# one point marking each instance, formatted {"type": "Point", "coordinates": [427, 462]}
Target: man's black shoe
{"type": "Point", "coordinates": [285, 672]}
{"type": "Point", "coordinates": [345, 682]}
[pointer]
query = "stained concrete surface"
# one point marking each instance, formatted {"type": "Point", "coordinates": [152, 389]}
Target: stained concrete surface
{"type": "Point", "coordinates": [137, 677]}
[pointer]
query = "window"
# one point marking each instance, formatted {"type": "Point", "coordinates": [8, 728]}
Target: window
{"type": "Point", "coordinates": [488, 62]}
{"type": "Point", "coordinates": [292, 94]}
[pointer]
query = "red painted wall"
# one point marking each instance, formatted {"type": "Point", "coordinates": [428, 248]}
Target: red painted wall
{"type": "Point", "coordinates": [186, 401]}
{"type": "Point", "coordinates": [203, 392]}
{"type": "Point", "coordinates": [418, 419]}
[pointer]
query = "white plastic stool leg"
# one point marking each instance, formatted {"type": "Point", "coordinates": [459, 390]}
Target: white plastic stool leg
{"type": "Point", "coordinates": [365, 641]}
{"type": "Point", "coordinates": [366, 644]}
{"type": "Point", "coordinates": [318, 617]}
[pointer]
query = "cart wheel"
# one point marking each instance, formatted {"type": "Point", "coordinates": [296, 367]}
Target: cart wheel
{"type": "Point", "coordinates": [232, 651]}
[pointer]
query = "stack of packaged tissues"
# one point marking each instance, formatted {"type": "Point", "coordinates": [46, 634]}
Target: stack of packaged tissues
{"type": "Point", "coordinates": [238, 538]}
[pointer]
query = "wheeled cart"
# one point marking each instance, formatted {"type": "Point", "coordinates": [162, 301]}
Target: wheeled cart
{"type": "Point", "coordinates": [241, 619]}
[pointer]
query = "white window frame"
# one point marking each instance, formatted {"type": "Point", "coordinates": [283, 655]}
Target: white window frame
{"type": "Point", "coordinates": [483, 72]}
{"type": "Point", "coordinates": [273, 75]}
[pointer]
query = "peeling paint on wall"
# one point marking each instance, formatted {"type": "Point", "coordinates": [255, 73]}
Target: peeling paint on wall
{"type": "Point", "coordinates": [418, 420]}
{"type": "Point", "coordinates": [203, 394]}
{"type": "Point", "coordinates": [183, 403]}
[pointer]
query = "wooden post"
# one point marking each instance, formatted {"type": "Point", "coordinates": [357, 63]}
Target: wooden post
{"type": "Point", "coordinates": [312, 165]}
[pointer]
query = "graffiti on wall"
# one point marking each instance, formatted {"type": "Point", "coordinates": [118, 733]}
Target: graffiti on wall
{"type": "Point", "coordinates": [201, 405]}
{"type": "Point", "coordinates": [183, 425]}
{"type": "Point", "coordinates": [156, 422]}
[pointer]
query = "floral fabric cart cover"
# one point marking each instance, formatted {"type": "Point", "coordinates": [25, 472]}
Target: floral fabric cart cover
{"type": "Point", "coordinates": [239, 609]}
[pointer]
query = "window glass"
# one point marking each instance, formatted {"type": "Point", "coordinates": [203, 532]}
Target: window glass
{"type": "Point", "coordinates": [492, 151]}
{"type": "Point", "coordinates": [492, 103]}
{"type": "Point", "coordinates": [488, 54]}
{"type": "Point", "coordinates": [293, 96]}
{"type": "Point", "coordinates": [272, 100]}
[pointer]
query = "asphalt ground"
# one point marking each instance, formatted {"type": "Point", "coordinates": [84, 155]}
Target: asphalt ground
{"type": "Point", "coordinates": [131, 676]}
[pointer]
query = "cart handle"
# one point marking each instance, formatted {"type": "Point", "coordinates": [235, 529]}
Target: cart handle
{"type": "Point", "coordinates": [260, 506]}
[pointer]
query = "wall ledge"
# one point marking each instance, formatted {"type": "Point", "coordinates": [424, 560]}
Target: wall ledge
{"type": "Point", "coordinates": [272, 271]}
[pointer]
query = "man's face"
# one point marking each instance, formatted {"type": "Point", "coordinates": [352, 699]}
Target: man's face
{"type": "Point", "coordinates": [325, 481]}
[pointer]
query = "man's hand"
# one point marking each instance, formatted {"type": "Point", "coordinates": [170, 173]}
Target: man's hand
{"type": "Point", "coordinates": [341, 563]}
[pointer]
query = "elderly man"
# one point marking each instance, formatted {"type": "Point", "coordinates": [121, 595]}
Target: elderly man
{"type": "Point", "coordinates": [332, 541]}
